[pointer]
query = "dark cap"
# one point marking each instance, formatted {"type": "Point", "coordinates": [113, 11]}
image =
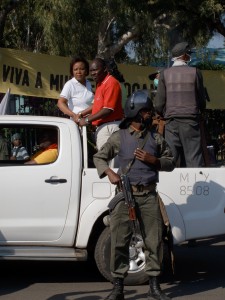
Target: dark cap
{"type": "Point", "coordinates": [180, 49]}
{"type": "Point", "coordinates": [16, 136]}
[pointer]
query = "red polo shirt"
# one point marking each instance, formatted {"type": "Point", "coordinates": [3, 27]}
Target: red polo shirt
{"type": "Point", "coordinates": [108, 94]}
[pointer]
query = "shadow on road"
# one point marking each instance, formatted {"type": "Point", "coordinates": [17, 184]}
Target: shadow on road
{"type": "Point", "coordinates": [198, 269]}
{"type": "Point", "coordinates": [17, 275]}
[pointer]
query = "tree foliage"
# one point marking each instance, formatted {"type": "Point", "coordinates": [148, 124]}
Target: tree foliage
{"type": "Point", "coordinates": [109, 28]}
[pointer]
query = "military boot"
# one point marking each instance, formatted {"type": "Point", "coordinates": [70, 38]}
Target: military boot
{"type": "Point", "coordinates": [155, 291]}
{"type": "Point", "coordinates": [117, 291]}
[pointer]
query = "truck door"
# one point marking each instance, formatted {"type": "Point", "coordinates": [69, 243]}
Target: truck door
{"type": "Point", "coordinates": [35, 198]}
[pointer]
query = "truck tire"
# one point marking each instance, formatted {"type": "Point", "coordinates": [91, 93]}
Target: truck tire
{"type": "Point", "coordinates": [136, 274]}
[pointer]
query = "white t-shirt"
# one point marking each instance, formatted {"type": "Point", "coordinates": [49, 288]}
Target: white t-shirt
{"type": "Point", "coordinates": [79, 96]}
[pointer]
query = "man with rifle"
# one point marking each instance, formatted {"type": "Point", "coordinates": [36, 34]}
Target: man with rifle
{"type": "Point", "coordinates": [142, 152]}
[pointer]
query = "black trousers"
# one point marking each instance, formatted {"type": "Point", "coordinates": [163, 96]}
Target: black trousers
{"type": "Point", "coordinates": [184, 139]}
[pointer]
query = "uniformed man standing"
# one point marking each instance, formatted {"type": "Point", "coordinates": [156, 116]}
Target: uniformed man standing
{"type": "Point", "coordinates": [180, 99]}
{"type": "Point", "coordinates": [149, 158]}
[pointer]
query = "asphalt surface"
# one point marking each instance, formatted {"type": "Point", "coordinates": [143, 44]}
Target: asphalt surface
{"type": "Point", "coordinates": [199, 274]}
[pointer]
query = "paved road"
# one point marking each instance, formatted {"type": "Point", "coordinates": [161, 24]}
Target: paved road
{"type": "Point", "coordinates": [200, 274]}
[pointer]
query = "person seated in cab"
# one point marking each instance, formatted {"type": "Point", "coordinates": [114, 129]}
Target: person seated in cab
{"type": "Point", "coordinates": [48, 152]}
{"type": "Point", "coordinates": [19, 152]}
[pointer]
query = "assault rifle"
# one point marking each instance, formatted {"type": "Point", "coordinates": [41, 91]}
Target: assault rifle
{"type": "Point", "coordinates": [125, 193]}
{"type": "Point", "coordinates": [129, 200]}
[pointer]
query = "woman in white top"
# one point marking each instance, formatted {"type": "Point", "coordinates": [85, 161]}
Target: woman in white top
{"type": "Point", "coordinates": [77, 93]}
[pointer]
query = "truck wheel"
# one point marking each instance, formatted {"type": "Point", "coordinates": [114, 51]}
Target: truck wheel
{"type": "Point", "coordinates": [136, 274]}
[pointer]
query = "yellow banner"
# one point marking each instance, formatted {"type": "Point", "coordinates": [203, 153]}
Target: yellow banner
{"type": "Point", "coordinates": [41, 75]}
{"type": "Point", "coordinates": [27, 73]}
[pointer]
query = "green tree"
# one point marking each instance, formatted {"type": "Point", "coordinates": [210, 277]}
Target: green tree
{"type": "Point", "coordinates": [195, 20]}
{"type": "Point", "coordinates": [6, 8]}
{"type": "Point", "coordinates": [109, 28]}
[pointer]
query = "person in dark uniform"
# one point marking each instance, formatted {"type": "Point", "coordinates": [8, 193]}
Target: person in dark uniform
{"type": "Point", "coordinates": [180, 99]}
{"type": "Point", "coordinates": [155, 78]}
{"type": "Point", "coordinates": [158, 119]}
{"type": "Point", "coordinates": [149, 158]}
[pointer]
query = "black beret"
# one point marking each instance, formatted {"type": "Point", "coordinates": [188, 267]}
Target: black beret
{"type": "Point", "coordinates": [180, 49]}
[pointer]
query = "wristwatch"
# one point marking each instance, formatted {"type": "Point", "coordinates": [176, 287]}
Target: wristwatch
{"type": "Point", "coordinates": [87, 121]}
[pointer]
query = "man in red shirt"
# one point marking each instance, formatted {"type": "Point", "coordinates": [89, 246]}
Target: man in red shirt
{"type": "Point", "coordinates": [106, 111]}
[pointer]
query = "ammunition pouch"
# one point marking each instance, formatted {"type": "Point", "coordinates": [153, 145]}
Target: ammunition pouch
{"type": "Point", "coordinates": [167, 232]}
{"type": "Point", "coordinates": [112, 204]}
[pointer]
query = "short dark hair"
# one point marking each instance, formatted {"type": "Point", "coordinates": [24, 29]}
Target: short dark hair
{"type": "Point", "coordinates": [48, 134]}
{"type": "Point", "coordinates": [78, 59]}
{"type": "Point", "coordinates": [101, 61]}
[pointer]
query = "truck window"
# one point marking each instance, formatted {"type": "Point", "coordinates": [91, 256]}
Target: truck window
{"type": "Point", "coordinates": [26, 144]}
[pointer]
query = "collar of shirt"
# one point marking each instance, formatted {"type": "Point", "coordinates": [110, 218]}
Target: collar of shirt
{"type": "Point", "coordinates": [78, 82]}
{"type": "Point", "coordinates": [104, 80]}
{"type": "Point", "coordinates": [179, 62]}
{"type": "Point", "coordinates": [138, 134]}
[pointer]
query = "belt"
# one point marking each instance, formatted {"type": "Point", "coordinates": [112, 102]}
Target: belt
{"type": "Point", "coordinates": [143, 189]}
{"type": "Point", "coordinates": [108, 122]}
{"type": "Point", "coordinates": [96, 126]}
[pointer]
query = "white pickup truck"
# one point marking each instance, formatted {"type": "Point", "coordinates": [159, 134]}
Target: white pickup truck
{"type": "Point", "coordinates": [55, 211]}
